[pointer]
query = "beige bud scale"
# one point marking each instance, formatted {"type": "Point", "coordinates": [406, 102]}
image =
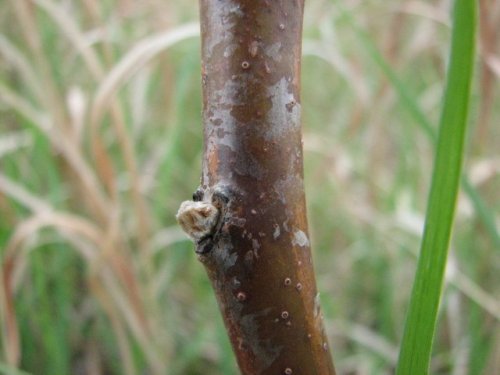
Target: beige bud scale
{"type": "Point", "coordinates": [197, 219]}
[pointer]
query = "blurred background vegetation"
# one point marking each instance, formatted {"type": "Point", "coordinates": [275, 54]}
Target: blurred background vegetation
{"type": "Point", "coordinates": [100, 140]}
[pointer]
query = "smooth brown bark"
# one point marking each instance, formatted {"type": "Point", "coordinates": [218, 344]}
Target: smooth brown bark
{"type": "Point", "coordinates": [258, 256]}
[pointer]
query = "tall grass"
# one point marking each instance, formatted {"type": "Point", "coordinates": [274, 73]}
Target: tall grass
{"type": "Point", "coordinates": [100, 139]}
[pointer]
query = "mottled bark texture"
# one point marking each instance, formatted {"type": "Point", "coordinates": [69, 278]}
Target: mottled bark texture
{"type": "Point", "coordinates": [258, 255]}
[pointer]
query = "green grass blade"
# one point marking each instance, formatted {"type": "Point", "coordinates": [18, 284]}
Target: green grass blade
{"type": "Point", "coordinates": [421, 318]}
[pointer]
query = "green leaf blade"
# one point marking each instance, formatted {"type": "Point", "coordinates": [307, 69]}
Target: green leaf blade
{"type": "Point", "coordinates": [421, 318]}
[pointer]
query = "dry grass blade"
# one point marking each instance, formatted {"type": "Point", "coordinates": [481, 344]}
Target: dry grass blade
{"type": "Point", "coordinates": [369, 339]}
{"type": "Point", "coordinates": [484, 170]}
{"type": "Point", "coordinates": [161, 241]}
{"type": "Point", "coordinates": [473, 291]}
{"type": "Point", "coordinates": [82, 44]}
{"type": "Point", "coordinates": [425, 10]}
{"type": "Point", "coordinates": [70, 30]}
{"type": "Point", "coordinates": [60, 142]}
{"type": "Point", "coordinates": [493, 62]}
{"type": "Point", "coordinates": [133, 321]}
{"type": "Point", "coordinates": [136, 58]}
{"type": "Point", "coordinates": [18, 61]}
{"type": "Point", "coordinates": [24, 108]}
{"type": "Point", "coordinates": [142, 53]}
{"type": "Point", "coordinates": [88, 178]}
{"type": "Point", "coordinates": [118, 329]}
{"type": "Point", "coordinates": [166, 237]}
{"type": "Point", "coordinates": [12, 142]}
{"type": "Point", "coordinates": [64, 222]}
{"type": "Point", "coordinates": [23, 196]}
{"type": "Point", "coordinates": [104, 287]}
{"type": "Point", "coordinates": [325, 50]}
{"type": "Point", "coordinates": [9, 268]}
{"type": "Point", "coordinates": [8, 320]}
{"type": "Point", "coordinates": [51, 100]}
{"type": "Point", "coordinates": [73, 225]}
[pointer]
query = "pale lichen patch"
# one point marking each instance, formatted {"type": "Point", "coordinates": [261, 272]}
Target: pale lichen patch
{"type": "Point", "coordinates": [229, 50]}
{"type": "Point", "coordinates": [274, 51]}
{"type": "Point", "coordinates": [283, 119]}
{"type": "Point", "coordinates": [277, 231]}
{"type": "Point", "coordinates": [300, 239]}
{"type": "Point", "coordinates": [265, 350]}
{"type": "Point", "coordinates": [226, 19]}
